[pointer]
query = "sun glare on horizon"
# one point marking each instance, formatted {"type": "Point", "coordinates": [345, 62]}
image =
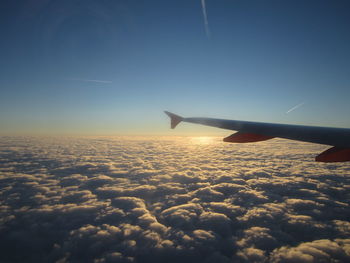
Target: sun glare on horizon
{"type": "Point", "coordinates": [204, 140]}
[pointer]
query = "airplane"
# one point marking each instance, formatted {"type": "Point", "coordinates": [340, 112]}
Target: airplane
{"type": "Point", "coordinates": [248, 131]}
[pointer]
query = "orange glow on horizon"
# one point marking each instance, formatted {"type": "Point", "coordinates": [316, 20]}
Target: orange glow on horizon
{"type": "Point", "coordinates": [203, 140]}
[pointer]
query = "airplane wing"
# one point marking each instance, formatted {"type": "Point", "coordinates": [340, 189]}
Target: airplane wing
{"type": "Point", "coordinates": [248, 131]}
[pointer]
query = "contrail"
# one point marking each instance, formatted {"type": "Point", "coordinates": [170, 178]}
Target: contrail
{"type": "Point", "coordinates": [295, 107]}
{"type": "Point", "coordinates": [205, 17]}
{"type": "Point", "coordinates": [92, 80]}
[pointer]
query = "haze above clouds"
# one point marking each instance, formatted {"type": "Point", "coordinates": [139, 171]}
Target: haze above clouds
{"type": "Point", "coordinates": [170, 200]}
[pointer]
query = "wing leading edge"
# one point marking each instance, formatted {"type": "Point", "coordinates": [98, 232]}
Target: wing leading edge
{"type": "Point", "coordinates": [339, 138]}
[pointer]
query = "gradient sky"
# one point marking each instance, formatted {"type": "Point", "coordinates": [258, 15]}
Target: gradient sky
{"type": "Point", "coordinates": [111, 67]}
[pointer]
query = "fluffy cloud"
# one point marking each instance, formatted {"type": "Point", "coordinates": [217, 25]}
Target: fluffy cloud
{"type": "Point", "coordinates": [170, 200]}
{"type": "Point", "coordinates": [316, 251]}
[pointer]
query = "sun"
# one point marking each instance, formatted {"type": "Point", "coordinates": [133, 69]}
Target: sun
{"type": "Point", "coordinates": [202, 140]}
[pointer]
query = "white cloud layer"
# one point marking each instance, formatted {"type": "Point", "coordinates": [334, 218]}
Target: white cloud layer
{"type": "Point", "coordinates": [170, 200]}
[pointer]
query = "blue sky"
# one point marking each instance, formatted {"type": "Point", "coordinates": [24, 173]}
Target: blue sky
{"type": "Point", "coordinates": [112, 67]}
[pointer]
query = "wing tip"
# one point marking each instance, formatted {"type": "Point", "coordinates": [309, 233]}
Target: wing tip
{"type": "Point", "coordinates": [174, 119]}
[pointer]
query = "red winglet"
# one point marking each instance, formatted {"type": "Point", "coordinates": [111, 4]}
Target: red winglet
{"type": "Point", "coordinates": [334, 154]}
{"type": "Point", "coordinates": [242, 137]}
{"type": "Point", "coordinates": [174, 119]}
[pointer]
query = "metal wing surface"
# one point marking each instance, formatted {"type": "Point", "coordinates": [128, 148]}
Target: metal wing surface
{"type": "Point", "coordinates": [248, 131]}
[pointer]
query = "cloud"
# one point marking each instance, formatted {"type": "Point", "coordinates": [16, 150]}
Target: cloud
{"type": "Point", "coordinates": [218, 223]}
{"type": "Point", "coordinates": [161, 200]}
{"type": "Point", "coordinates": [205, 18]}
{"type": "Point", "coordinates": [295, 107]}
{"type": "Point", "coordinates": [93, 80]}
{"type": "Point", "coordinates": [316, 251]}
{"type": "Point", "coordinates": [258, 237]}
{"type": "Point", "coordinates": [251, 254]}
